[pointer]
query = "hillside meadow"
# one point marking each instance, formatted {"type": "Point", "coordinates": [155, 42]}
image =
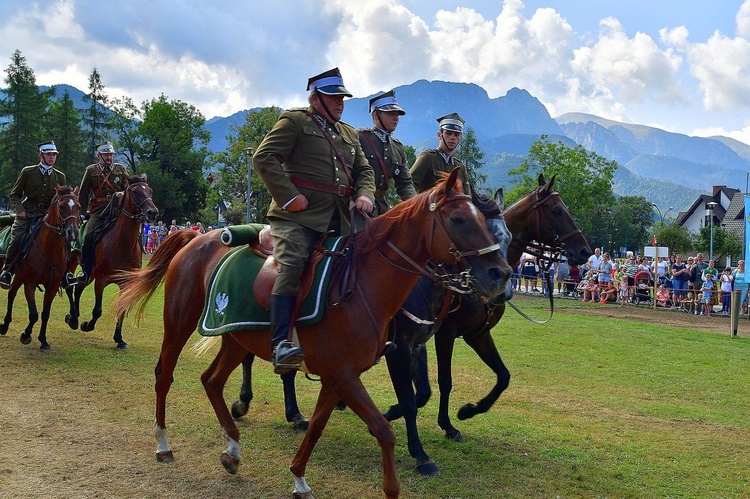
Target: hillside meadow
{"type": "Point", "coordinates": [608, 402]}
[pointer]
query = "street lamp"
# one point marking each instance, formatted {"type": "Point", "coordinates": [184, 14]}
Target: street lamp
{"type": "Point", "coordinates": [249, 152]}
{"type": "Point", "coordinates": [711, 205]}
{"type": "Point", "coordinates": [668, 210]}
{"type": "Point", "coordinates": [661, 217]}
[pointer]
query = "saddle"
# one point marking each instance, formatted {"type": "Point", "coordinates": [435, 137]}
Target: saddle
{"type": "Point", "coordinates": [24, 244]}
{"type": "Point", "coordinates": [259, 240]}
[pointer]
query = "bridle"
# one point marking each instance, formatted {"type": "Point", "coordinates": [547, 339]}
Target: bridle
{"type": "Point", "coordinates": [436, 222]}
{"type": "Point", "coordinates": [547, 253]}
{"type": "Point", "coordinates": [140, 212]}
{"type": "Point", "coordinates": [58, 225]}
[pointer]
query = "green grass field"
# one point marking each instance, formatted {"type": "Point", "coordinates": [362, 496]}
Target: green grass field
{"type": "Point", "coordinates": [597, 407]}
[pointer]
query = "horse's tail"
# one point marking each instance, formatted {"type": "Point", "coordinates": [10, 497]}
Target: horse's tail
{"type": "Point", "coordinates": [137, 286]}
{"type": "Point", "coordinates": [204, 345]}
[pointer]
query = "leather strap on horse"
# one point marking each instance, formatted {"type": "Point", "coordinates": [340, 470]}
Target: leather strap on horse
{"type": "Point", "coordinates": [344, 164]}
{"type": "Point", "coordinates": [551, 301]}
{"type": "Point", "coordinates": [98, 194]}
{"type": "Point", "coordinates": [383, 169]}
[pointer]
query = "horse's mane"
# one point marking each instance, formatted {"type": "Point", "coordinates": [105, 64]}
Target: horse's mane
{"type": "Point", "coordinates": [136, 179]}
{"type": "Point", "coordinates": [382, 226]}
{"type": "Point", "coordinates": [486, 204]}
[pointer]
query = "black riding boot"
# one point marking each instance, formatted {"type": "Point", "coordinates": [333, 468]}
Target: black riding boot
{"type": "Point", "coordinates": [87, 262]}
{"type": "Point", "coordinates": [285, 354]}
{"type": "Point", "coordinates": [6, 275]}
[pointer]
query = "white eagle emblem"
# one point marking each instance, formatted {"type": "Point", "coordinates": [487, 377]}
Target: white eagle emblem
{"type": "Point", "coordinates": [222, 300]}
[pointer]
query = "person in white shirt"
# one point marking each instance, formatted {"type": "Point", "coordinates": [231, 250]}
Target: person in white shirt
{"type": "Point", "coordinates": [595, 260]}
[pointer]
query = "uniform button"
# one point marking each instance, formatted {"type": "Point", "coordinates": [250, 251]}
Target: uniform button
{"type": "Point", "coordinates": [333, 136]}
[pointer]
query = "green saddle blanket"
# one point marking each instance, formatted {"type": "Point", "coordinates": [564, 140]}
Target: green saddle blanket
{"type": "Point", "coordinates": [231, 306]}
{"type": "Point", "coordinates": [4, 241]}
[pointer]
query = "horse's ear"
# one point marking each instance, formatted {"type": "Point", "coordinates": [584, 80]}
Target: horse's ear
{"type": "Point", "coordinates": [76, 190]}
{"type": "Point", "coordinates": [450, 184]}
{"type": "Point", "coordinates": [145, 177]}
{"type": "Point", "coordinates": [541, 179]}
{"type": "Point", "coordinates": [500, 198]}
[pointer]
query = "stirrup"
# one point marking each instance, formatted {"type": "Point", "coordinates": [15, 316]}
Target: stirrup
{"type": "Point", "coordinates": [290, 360]}
{"type": "Point", "coordinates": [5, 279]}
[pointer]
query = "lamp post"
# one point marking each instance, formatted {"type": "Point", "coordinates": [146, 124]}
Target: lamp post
{"type": "Point", "coordinates": [249, 155]}
{"type": "Point", "coordinates": [711, 205]}
{"type": "Point", "coordinates": [661, 217]}
{"type": "Point", "coordinates": [668, 210]}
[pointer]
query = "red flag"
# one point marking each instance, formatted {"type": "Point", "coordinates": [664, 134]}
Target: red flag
{"type": "Point", "coordinates": [654, 242]}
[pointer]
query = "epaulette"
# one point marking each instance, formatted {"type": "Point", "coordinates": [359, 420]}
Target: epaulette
{"type": "Point", "coordinates": [396, 140]}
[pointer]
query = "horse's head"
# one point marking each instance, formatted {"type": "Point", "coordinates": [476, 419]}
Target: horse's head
{"type": "Point", "coordinates": [64, 212]}
{"type": "Point", "coordinates": [492, 209]}
{"type": "Point", "coordinates": [548, 221]}
{"type": "Point", "coordinates": [465, 240]}
{"type": "Point", "coordinates": [137, 202]}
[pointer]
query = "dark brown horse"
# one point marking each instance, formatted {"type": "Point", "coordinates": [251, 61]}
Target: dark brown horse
{"type": "Point", "coordinates": [441, 224]}
{"type": "Point", "coordinates": [46, 262]}
{"type": "Point", "coordinates": [119, 250]}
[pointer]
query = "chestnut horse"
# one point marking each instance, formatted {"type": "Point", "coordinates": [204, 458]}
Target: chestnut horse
{"type": "Point", "coordinates": [46, 262]}
{"type": "Point", "coordinates": [441, 224]}
{"type": "Point", "coordinates": [539, 216]}
{"type": "Point", "coordinates": [119, 250]}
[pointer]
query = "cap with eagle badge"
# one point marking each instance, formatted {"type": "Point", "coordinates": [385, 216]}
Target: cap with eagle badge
{"type": "Point", "coordinates": [328, 83]}
{"type": "Point", "coordinates": [386, 102]}
{"type": "Point", "coordinates": [47, 147]}
{"type": "Point", "coordinates": [452, 122]}
{"type": "Point", "coordinates": [105, 147]}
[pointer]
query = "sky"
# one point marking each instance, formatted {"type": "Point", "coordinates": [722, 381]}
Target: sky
{"type": "Point", "coordinates": [680, 65]}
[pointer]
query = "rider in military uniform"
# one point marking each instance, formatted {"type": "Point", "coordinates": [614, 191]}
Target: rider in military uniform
{"type": "Point", "coordinates": [386, 153]}
{"type": "Point", "coordinates": [314, 167]}
{"type": "Point", "coordinates": [30, 199]}
{"type": "Point", "coordinates": [431, 161]}
{"type": "Point", "coordinates": [100, 181]}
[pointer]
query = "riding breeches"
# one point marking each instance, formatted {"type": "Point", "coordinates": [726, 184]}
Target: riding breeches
{"type": "Point", "coordinates": [293, 244]}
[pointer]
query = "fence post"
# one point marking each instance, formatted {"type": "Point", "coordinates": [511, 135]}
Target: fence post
{"type": "Point", "coordinates": [734, 312]}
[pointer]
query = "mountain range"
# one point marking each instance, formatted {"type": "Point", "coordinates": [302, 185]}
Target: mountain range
{"type": "Point", "coordinates": [670, 169]}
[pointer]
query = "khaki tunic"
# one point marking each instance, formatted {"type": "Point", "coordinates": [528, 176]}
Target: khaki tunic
{"type": "Point", "coordinates": [425, 175]}
{"type": "Point", "coordinates": [394, 160]}
{"type": "Point", "coordinates": [33, 191]}
{"type": "Point", "coordinates": [297, 147]}
{"type": "Point", "coordinates": [97, 187]}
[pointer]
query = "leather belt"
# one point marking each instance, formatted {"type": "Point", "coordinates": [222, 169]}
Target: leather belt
{"type": "Point", "coordinates": [379, 194]}
{"type": "Point", "coordinates": [339, 190]}
{"type": "Point", "coordinates": [102, 198]}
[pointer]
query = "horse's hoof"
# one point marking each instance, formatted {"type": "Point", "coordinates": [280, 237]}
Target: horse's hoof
{"type": "Point", "coordinates": [25, 339]}
{"type": "Point", "coordinates": [230, 464]}
{"type": "Point", "coordinates": [304, 495]}
{"type": "Point", "coordinates": [3, 329]}
{"type": "Point", "coordinates": [467, 411]}
{"type": "Point", "coordinates": [122, 345]}
{"type": "Point", "coordinates": [71, 322]}
{"type": "Point", "coordinates": [455, 436]}
{"type": "Point", "coordinates": [86, 328]}
{"type": "Point", "coordinates": [239, 409]}
{"type": "Point", "coordinates": [164, 456]}
{"type": "Point", "coordinates": [428, 468]}
{"type": "Point", "coordinates": [301, 423]}
{"type": "Point", "coordinates": [341, 406]}
{"type": "Point", "coordinates": [45, 347]}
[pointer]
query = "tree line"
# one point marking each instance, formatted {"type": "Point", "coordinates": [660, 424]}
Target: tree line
{"type": "Point", "coordinates": [167, 140]}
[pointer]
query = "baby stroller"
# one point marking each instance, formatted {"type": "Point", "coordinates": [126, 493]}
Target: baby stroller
{"type": "Point", "coordinates": [642, 282]}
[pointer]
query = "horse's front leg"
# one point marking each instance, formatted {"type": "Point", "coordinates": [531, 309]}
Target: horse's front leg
{"type": "Point", "coordinates": [88, 326]}
{"type": "Point", "coordinates": [74, 299]}
{"type": "Point", "coordinates": [444, 342]}
{"type": "Point", "coordinates": [484, 346]}
{"type": "Point", "coordinates": [399, 368]}
{"type": "Point", "coordinates": [12, 292]}
{"type": "Point", "coordinates": [117, 337]}
{"type": "Point", "coordinates": [49, 297]}
{"type": "Point", "coordinates": [28, 291]}
{"type": "Point", "coordinates": [229, 357]}
{"type": "Point", "coordinates": [300, 422]}
{"type": "Point", "coordinates": [419, 374]}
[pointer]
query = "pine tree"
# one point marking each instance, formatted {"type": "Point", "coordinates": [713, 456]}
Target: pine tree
{"type": "Point", "coordinates": [471, 156]}
{"type": "Point", "coordinates": [64, 124]}
{"type": "Point", "coordinates": [22, 114]}
{"type": "Point", "coordinates": [95, 117]}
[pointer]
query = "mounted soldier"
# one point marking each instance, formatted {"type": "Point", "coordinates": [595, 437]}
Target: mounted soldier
{"type": "Point", "coordinates": [30, 199]}
{"type": "Point", "coordinates": [431, 161]}
{"type": "Point", "coordinates": [100, 182]}
{"type": "Point", "coordinates": [385, 152]}
{"type": "Point", "coordinates": [314, 168]}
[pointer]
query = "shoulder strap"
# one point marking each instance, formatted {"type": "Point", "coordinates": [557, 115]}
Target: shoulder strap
{"type": "Point", "coordinates": [347, 168]}
{"type": "Point", "coordinates": [386, 180]}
